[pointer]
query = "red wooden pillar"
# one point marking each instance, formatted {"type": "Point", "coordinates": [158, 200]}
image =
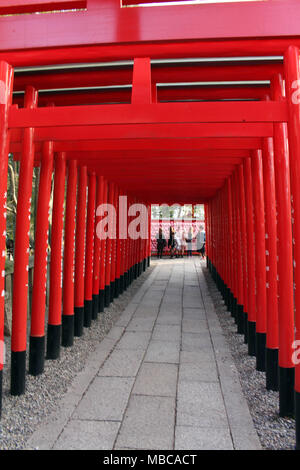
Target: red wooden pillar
{"type": "Point", "coordinates": [260, 257]}
{"type": "Point", "coordinates": [6, 77]}
{"type": "Point", "coordinates": [20, 288]}
{"type": "Point", "coordinates": [89, 251]}
{"type": "Point", "coordinates": [250, 257]}
{"type": "Point", "coordinates": [118, 249]}
{"type": "Point", "coordinates": [80, 252]}
{"type": "Point", "coordinates": [243, 228]}
{"type": "Point", "coordinates": [68, 279]}
{"type": "Point", "coordinates": [55, 294]}
{"type": "Point", "coordinates": [240, 260]}
{"type": "Point", "coordinates": [271, 265]}
{"type": "Point", "coordinates": [108, 258]}
{"type": "Point", "coordinates": [285, 258]}
{"type": "Point", "coordinates": [122, 238]}
{"type": "Point", "coordinates": [290, 375]}
{"type": "Point", "coordinates": [37, 333]}
{"type": "Point", "coordinates": [102, 258]}
{"type": "Point", "coordinates": [234, 251]}
{"type": "Point", "coordinates": [97, 248]}
{"type": "Point", "coordinates": [114, 250]}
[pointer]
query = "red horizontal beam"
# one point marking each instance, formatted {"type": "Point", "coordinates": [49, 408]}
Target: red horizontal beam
{"type": "Point", "coordinates": [105, 22]}
{"type": "Point", "coordinates": [149, 131]}
{"type": "Point", "coordinates": [160, 74]}
{"type": "Point", "coordinates": [213, 112]}
{"type": "Point", "coordinates": [163, 94]}
{"type": "Point", "coordinates": [206, 145]}
{"type": "Point", "coordinates": [11, 7]}
{"type": "Point", "coordinates": [167, 144]}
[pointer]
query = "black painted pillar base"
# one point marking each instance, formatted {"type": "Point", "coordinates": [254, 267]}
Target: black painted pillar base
{"type": "Point", "coordinates": [286, 391]}
{"type": "Point", "coordinates": [67, 330]}
{"type": "Point", "coordinates": [297, 418]}
{"type": "Point", "coordinates": [240, 320]}
{"type": "Point", "coordinates": [149, 261]}
{"type": "Point", "coordinates": [144, 264]}
{"type": "Point", "coordinates": [18, 369]}
{"type": "Point", "coordinates": [121, 284]}
{"type": "Point", "coordinates": [235, 310]}
{"type": "Point", "coordinates": [36, 355]}
{"type": "Point", "coordinates": [78, 321]}
{"type": "Point", "coordinates": [53, 341]}
{"type": "Point", "coordinates": [117, 287]}
{"type": "Point", "coordinates": [272, 369]}
{"type": "Point", "coordinates": [112, 291]}
{"type": "Point", "coordinates": [251, 338]}
{"type": "Point", "coordinates": [101, 300]}
{"type": "Point", "coordinates": [245, 328]}
{"type": "Point", "coordinates": [260, 347]}
{"type": "Point", "coordinates": [88, 311]}
{"type": "Point", "coordinates": [95, 306]}
{"type": "Point", "coordinates": [125, 280]}
{"type": "Point", "coordinates": [230, 302]}
{"type": "Point", "coordinates": [106, 296]}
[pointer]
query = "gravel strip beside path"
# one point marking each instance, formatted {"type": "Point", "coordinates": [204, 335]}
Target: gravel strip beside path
{"type": "Point", "coordinates": [21, 415]}
{"type": "Point", "coordinates": [275, 433]}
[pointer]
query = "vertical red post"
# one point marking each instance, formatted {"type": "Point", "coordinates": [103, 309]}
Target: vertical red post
{"type": "Point", "coordinates": [250, 258]}
{"type": "Point", "coordinates": [37, 333]}
{"type": "Point", "coordinates": [6, 78]}
{"type": "Point", "coordinates": [80, 252]}
{"type": "Point", "coordinates": [243, 228]}
{"type": "Point", "coordinates": [240, 261]}
{"type": "Point", "coordinates": [89, 251]}
{"type": "Point", "coordinates": [97, 247]}
{"type": "Point", "coordinates": [114, 250]}
{"type": "Point", "coordinates": [55, 294]}
{"type": "Point", "coordinates": [271, 265]}
{"type": "Point", "coordinates": [260, 257]}
{"type": "Point", "coordinates": [291, 375]}
{"type": "Point", "coordinates": [285, 259]}
{"type": "Point", "coordinates": [234, 251]}
{"type": "Point", "coordinates": [108, 260]}
{"type": "Point", "coordinates": [20, 288]}
{"type": "Point", "coordinates": [118, 290]}
{"type": "Point", "coordinates": [102, 259]}
{"type": "Point", "coordinates": [68, 280]}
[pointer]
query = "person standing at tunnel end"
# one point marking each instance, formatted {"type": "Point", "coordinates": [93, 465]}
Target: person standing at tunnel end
{"type": "Point", "coordinates": [161, 243]}
{"type": "Point", "coordinates": [171, 242]}
{"type": "Point", "coordinates": [201, 241]}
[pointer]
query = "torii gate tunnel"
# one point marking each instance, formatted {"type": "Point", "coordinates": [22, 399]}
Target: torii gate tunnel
{"type": "Point", "coordinates": [186, 103]}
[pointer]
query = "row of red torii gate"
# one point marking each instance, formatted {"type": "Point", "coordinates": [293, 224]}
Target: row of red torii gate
{"type": "Point", "coordinates": [170, 103]}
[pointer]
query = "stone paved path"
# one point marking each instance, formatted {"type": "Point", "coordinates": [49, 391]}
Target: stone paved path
{"type": "Point", "coordinates": [163, 378]}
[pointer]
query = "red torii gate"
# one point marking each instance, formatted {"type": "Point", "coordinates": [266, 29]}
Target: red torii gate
{"type": "Point", "coordinates": [120, 128]}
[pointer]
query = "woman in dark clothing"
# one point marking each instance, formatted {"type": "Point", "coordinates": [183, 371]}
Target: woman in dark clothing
{"type": "Point", "coordinates": [171, 241]}
{"type": "Point", "coordinates": [161, 243]}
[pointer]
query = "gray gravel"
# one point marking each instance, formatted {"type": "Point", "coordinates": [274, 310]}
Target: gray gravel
{"type": "Point", "coordinates": [21, 415]}
{"type": "Point", "coordinates": [275, 433]}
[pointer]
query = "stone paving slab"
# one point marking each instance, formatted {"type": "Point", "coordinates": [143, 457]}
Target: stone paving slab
{"type": "Point", "coordinates": [156, 379]}
{"type": "Point", "coordinates": [162, 378]}
{"type": "Point", "coordinates": [122, 363]}
{"type": "Point", "coordinates": [202, 438]}
{"type": "Point", "coordinates": [163, 351]}
{"type": "Point", "coordinates": [88, 435]}
{"type": "Point", "coordinates": [148, 423]}
{"type": "Point", "coordinates": [105, 400]}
